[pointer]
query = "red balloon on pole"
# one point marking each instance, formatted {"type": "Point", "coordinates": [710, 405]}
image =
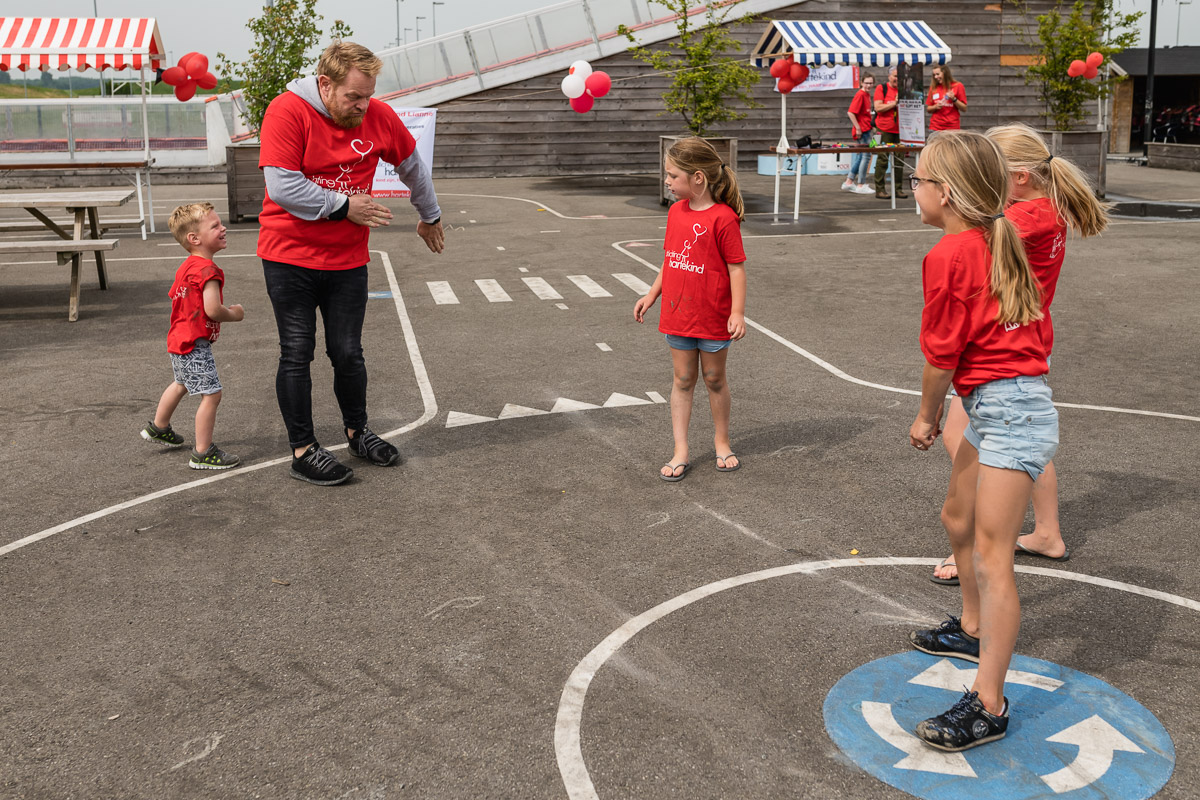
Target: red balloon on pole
{"type": "Point", "coordinates": [185, 58]}
{"type": "Point", "coordinates": [1090, 73]}
{"type": "Point", "coordinates": [1076, 69]}
{"type": "Point", "coordinates": [598, 84]}
{"type": "Point", "coordinates": [799, 73]}
{"type": "Point", "coordinates": [174, 76]}
{"type": "Point", "coordinates": [186, 91]}
{"type": "Point", "coordinates": [197, 66]}
{"type": "Point", "coordinates": [786, 85]}
{"type": "Point", "coordinates": [583, 103]}
{"type": "Point", "coordinates": [207, 81]}
{"type": "Point", "coordinates": [780, 67]}
{"type": "Point", "coordinates": [1095, 59]}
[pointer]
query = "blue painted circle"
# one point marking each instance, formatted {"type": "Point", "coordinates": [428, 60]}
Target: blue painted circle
{"type": "Point", "coordinates": [1011, 768]}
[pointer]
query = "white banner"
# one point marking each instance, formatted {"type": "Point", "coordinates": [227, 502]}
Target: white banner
{"type": "Point", "coordinates": [827, 79]}
{"type": "Point", "coordinates": [911, 114]}
{"type": "Point", "coordinates": [420, 123]}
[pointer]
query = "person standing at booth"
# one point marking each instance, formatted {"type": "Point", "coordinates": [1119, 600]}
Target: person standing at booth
{"type": "Point", "coordinates": [860, 129]}
{"type": "Point", "coordinates": [887, 122]}
{"type": "Point", "coordinates": [946, 101]}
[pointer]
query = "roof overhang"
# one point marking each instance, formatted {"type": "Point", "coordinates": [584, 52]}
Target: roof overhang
{"type": "Point", "coordinates": [876, 44]}
{"type": "Point", "coordinates": [57, 43]}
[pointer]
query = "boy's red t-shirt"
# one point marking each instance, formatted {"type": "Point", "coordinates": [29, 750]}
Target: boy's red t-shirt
{"type": "Point", "coordinates": [297, 137]}
{"type": "Point", "coordinates": [860, 107]}
{"type": "Point", "coordinates": [959, 330]}
{"type": "Point", "coordinates": [946, 117]}
{"type": "Point", "coordinates": [1045, 238]}
{"type": "Point", "coordinates": [188, 320]}
{"type": "Point", "coordinates": [700, 246]}
{"type": "Point", "coordinates": [886, 121]}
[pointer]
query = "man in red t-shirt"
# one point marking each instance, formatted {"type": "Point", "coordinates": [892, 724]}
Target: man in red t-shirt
{"type": "Point", "coordinates": [887, 97]}
{"type": "Point", "coordinates": [321, 142]}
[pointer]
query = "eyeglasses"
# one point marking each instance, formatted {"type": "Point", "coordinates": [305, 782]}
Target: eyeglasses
{"type": "Point", "coordinates": [915, 182]}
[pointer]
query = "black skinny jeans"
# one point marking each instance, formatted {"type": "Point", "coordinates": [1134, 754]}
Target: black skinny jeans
{"type": "Point", "coordinates": [296, 293]}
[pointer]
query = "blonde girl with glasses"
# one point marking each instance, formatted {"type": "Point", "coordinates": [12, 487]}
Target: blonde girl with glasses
{"type": "Point", "coordinates": [980, 330]}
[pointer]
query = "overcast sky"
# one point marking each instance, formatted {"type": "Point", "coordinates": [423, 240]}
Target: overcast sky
{"type": "Point", "coordinates": [207, 26]}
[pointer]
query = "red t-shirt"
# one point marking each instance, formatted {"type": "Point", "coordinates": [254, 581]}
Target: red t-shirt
{"type": "Point", "coordinates": [959, 330]}
{"type": "Point", "coordinates": [886, 121]}
{"type": "Point", "coordinates": [699, 245]}
{"type": "Point", "coordinates": [188, 320]}
{"type": "Point", "coordinates": [860, 107]}
{"type": "Point", "coordinates": [297, 137]}
{"type": "Point", "coordinates": [1045, 238]}
{"type": "Point", "coordinates": [947, 116]}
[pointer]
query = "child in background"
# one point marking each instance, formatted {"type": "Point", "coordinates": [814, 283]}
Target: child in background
{"type": "Point", "coordinates": [980, 329]}
{"type": "Point", "coordinates": [703, 284]}
{"type": "Point", "coordinates": [1047, 195]}
{"type": "Point", "coordinates": [196, 316]}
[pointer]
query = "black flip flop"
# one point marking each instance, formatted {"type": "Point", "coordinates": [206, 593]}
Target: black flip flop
{"type": "Point", "coordinates": [673, 478]}
{"type": "Point", "coordinates": [1023, 550]}
{"type": "Point", "coordinates": [730, 469]}
{"type": "Point", "coordinates": [944, 581]}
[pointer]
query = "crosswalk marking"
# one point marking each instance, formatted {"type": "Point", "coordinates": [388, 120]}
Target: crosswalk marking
{"type": "Point", "coordinates": [492, 291]}
{"type": "Point", "coordinates": [443, 295]}
{"type": "Point", "coordinates": [632, 281]}
{"type": "Point", "coordinates": [604, 348]}
{"type": "Point", "coordinates": [542, 289]}
{"type": "Point", "coordinates": [589, 286]}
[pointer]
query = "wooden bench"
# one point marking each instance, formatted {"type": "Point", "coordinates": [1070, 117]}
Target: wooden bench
{"type": "Point", "coordinates": [67, 250]}
{"type": "Point", "coordinates": [105, 225]}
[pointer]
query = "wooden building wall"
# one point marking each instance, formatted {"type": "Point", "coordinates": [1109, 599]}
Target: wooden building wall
{"type": "Point", "coordinates": [536, 134]}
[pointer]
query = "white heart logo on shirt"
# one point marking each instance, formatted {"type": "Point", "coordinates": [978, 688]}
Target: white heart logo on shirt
{"type": "Point", "coordinates": [362, 153]}
{"type": "Point", "coordinates": [699, 229]}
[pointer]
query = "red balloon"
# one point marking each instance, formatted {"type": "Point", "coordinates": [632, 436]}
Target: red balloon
{"type": "Point", "coordinates": [185, 91]}
{"type": "Point", "coordinates": [799, 73]}
{"type": "Point", "coordinates": [1090, 73]}
{"type": "Point", "coordinates": [1095, 59]}
{"type": "Point", "coordinates": [597, 84]}
{"type": "Point", "coordinates": [583, 103]}
{"type": "Point", "coordinates": [183, 61]}
{"type": "Point", "coordinates": [786, 85]}
{"type": "Point", "coordinates": [779, 67]}
{"type": "Point", "coordinates": [207, 81]}
{"type": "Point", "coordinates": [197, 66]}
{"type": "Point", "coordinates": [174, 76]}
{"type": "Point", "coordinates": [1076, 69]}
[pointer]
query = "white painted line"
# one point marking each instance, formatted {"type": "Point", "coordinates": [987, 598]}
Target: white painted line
{"type": "Point", "coordinates": [511, 411]}
{"type": "Point", "coordinates": [522, 269]}
{"type": "Point", "coordinates": [589, 286]}
{"type": "Point", "coordinates": [457, 419]}
{"type": "Point", "coordinates": [471, 221]}
{"type": "Point", "coordinates": [656, 397]}
{"type": "Point", "coordinates": [563, 306]}
{"type": "Point", "coordinates": [563, 405]}
{"type": "Point", "coordinates": [498, 247]}
{"type": "Point", "coordinates": [443, 295]}
{"type": "Point", "coordinates": [632, 281]}
{"type": "Point", "coordinates": [568, 748]}
{"type": "Point", "coordinates": [543, 290]}
{"type": "Point", "coordinates": [492, 291]}
{"type": "Point", "coordinates": [603, 347]}
{"type": "Point", "coordinates": [551, 231]}
{"type": "Point", "coordinates": [617, 400]}
{"type": "Point", "coordinates": [888, 219]}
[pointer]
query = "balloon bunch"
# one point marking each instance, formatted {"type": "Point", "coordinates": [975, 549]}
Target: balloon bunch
{"type": "Point", "coordinates": [1088, 69]}
{"type": "Point", "coordinates": [191, 72]}
{"type": "Point", "coordinates": [583, 85]}
{"type": "Point", "coordinates": [788, 73]}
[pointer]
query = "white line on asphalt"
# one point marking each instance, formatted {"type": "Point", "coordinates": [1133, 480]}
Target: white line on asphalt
{"type": "Point", "coordinates": [551, 231]}
{"type": "Point", "coordinates": [589, 286]}
{"type": "Point", "coordinates": [603, 347]}
{"type": "Point", "coordinates": [632, 281]}
{"type": "Point", "coordinates": [522, 269]}
{"type": "Point", "coordinates": [543, 290]}
{"type": "Point", "coordinates": [656, 397]}
{"type": "Point", "coordinates": [563, 306]}
{"type": "Point", "coordinates": [492, 291]}
{"type": "Point", "coordinates": [419, 372]}
{"type": "Point", "coordinates": [498, 247]}
{"type": "Point", "coordinates": [568, 748]}
{"type": "Point", "coordinates": [443, 295]}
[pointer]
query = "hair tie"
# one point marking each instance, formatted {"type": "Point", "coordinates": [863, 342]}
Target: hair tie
{"type": "Point", "coordinates": [1049, 158]}
{"type": "Point", "coordinates": [995, 217]}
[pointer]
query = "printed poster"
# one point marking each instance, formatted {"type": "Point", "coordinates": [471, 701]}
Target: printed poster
{"type": "Point", "coordinates": [420, 123]}
{"type": "Point", "coordinates": [827, 79]}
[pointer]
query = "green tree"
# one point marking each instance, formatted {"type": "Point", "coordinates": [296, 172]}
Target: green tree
{"type": "Point", "coordinates": [1090, 27]}
{"type": "Point", "coordinates": [284, 37]}
{"type": "Point", "coordinates": [707, 87]}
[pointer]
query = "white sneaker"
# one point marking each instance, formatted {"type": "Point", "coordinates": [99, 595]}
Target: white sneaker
{"type": "Point", "coordinates": [848, 186]}
{"type": "Point", "coordinates": [863, 188]}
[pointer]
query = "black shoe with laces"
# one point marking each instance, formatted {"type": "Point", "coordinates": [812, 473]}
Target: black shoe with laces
{"type": "Point", "coordinates": [947, 639]}
{"type": "Point", "coordinates": [366, 444]}
{"type": "Point", "coordinates": [967, 724]}
{"type": "Point", "coordinates": [318, 466]}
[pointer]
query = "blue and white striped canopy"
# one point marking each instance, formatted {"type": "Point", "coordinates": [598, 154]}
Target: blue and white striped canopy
{"type": "Point", "coordinates": [876, 44]}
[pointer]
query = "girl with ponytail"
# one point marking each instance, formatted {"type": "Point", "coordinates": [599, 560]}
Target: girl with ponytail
{"type": "Point", "coordinates": [703, 284]}
{"type": "Point", "coordinates": [980, 330]}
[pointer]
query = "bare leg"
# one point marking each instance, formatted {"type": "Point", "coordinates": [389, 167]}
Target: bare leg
{"type": "Point", "coordinates": [952, 437]}
{"type": "Point", "coordinates": [206, 418]}
{"type": "Point", "coordinates": [1046, 537]}
{"type": "Point", "coordinates": [167, 404]}
{"type": "Point", "coordinates": [958, 517]}
{"type": "Point", "coordinates": [685, 366]}
{"type": "Point", "coordinates": [713, 367]}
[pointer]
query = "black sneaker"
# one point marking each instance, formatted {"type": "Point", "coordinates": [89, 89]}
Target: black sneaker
{"type": "Point", "coordinates": [366, 444]}
{"type": "Point", "coordinates": [167, 436]}
{"type": "Point", "coordinates": [213, 458]}
{"type": "Point", "coordinates": [947, 639]}
{"type": "Point", "coordinates": [318, 466]}
{"type": "Point", "coordinates": [967, 724]}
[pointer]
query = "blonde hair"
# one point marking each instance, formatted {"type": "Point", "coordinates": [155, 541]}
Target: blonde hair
{"type": "Point", "coordinates": [947, 76]}
{"type": "Point", "coordinates": [186, 219]}
{"type": "Point", "coordinates": [694, 155]}
{"type": "Point", "coordinates": [972, 171]}
{"type": "Point", "coordinates": [341, 57]}
{"type": "Point", "coordinates": [1063, 182]}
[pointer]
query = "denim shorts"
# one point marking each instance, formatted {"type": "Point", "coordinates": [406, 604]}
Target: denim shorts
{"type": "Point", "coordinates": [197, 370]}
{"type": "Point", "coordinates": [1013, 424]}
{"type": "Point", "coordinates": [692, 343]}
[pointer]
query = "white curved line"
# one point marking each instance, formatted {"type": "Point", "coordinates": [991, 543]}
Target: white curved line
{"type": "Point", "coordinates": [567, 746]}
{"type": "Point", "coordinates": [427, 398]}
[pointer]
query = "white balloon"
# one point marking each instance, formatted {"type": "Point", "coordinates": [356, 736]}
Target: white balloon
{"type": "Point", "coordinates": [573, 86]}
{"type": "Point", "coordinates": [581, 68]}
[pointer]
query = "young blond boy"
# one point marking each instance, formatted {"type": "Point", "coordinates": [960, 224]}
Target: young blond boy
{"type": "Point", "coordinates": [197, 312]}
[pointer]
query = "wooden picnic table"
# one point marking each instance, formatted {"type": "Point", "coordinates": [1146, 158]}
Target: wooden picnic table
{"type": "Point", "coordinates": [889, 150]}
{"type": "Point", "coordinates": [73, 243]}
{"type": "Point", "coordinates": [145, 206]}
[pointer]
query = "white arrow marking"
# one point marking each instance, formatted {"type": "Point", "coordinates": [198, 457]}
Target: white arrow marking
{"type": "Point", "coordinates": [1097, 741]}
{"type": "Point", "coordinates": [917, 755]}
{"type": "Point", "coordinates": [617, 399]}
{"type": "Point", "coordinates": [510, 411]}
{"type": "Point", "coordinates": [944, 675]}
{"type": "Point", "coordinates": [562, 405]}
{"type": "Point", "coordinates": [456, 418]}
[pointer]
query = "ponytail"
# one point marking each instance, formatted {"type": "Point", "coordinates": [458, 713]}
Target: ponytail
{"type": "Point", "coordinates": [725, 190]}
{"type": "Point", "coordinates": [1013, 284]}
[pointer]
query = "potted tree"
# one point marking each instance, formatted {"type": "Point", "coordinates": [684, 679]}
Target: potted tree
{"type": "Point", "coordinates": [284, 38]}
{"type": "Point", "coordinates": [1057, 39]}
{"type": "Point", "coordinates": [707, 86]}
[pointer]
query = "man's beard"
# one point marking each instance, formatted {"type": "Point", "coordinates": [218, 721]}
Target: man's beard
{"type": "Point", "coordinates": [346, 121]}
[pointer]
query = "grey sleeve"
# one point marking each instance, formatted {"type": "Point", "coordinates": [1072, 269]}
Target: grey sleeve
{"type": "Point", "coordinates": [417, 178]}
{"type": "Point", "coordinates": [299, 196]}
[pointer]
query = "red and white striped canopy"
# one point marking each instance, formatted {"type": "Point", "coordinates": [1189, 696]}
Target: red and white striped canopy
{"type": "Point", "coordinates": [45, 43]}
